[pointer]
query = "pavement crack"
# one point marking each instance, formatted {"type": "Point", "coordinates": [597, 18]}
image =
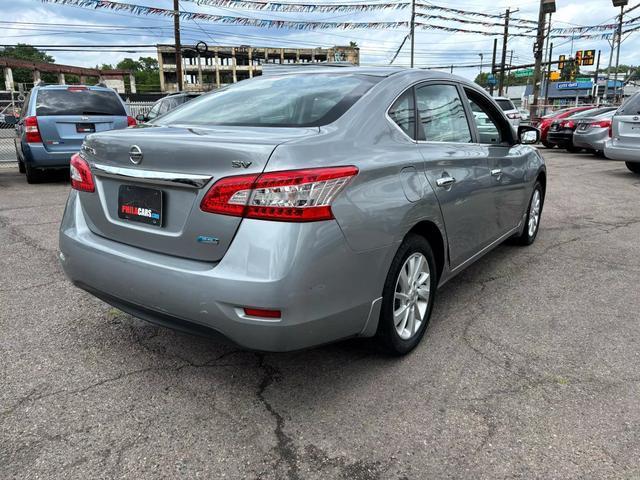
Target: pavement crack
{"type": "Point", "coordinates": [285, 448]}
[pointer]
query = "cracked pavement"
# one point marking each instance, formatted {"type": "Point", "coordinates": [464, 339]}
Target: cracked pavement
{"type": "Point", "coordinates": [530, 367]}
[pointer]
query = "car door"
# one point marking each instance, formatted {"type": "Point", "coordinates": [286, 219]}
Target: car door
{"type": "Point", "coordinates": [496, 142]}
{"type": "Point", "coordinates": [456, 168]}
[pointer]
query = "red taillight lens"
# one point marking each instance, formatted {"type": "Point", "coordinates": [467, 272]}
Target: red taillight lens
{"type": "Point", "coordinates": [81, 176]}
{"type": "Point", "coordinates": [293, 195]}
{"type": "Point", "coordinates": [262, 313]}
{"type": "Point", "coordinates": [32, 133]}
{"type": "Point", "coordinates": [77, 89]}
{"type": "Point", "coordinates": [131, 122]}
{"type": "Point", "coordinates": [601, 124]}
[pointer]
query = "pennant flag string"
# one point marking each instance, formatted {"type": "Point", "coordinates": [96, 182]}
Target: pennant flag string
{"type": "Point", "coordinates": [290, 24]}
{"type": "Point", "coordinates": [426, 6]}
{"type": "Point", "coordinates": [302, 7]}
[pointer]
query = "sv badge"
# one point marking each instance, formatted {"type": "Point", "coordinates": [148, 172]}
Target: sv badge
{"type": "Point", "coordinates": [240, 164]}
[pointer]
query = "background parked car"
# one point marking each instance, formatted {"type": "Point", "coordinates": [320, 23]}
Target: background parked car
{"type": "Point", "coordinates": [509, 110]}
{"type": "Point", "coordinates": [625, 134]}
{"type": "Point", "coordinates": [56, 118]}
{"type": "Point", "coordinates": [166, 104]}
{"type": "Point", "coordinates": [545, 122]}
{"type": "Point", "coordinates": [592, 132]}
{"type": "Point", "coordinates": [525, 116]}
{"type": "Point", "coordinates": [561, 131]}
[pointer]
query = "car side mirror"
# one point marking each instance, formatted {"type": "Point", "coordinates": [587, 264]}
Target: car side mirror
{"type": "Point", "coordinates": [141, 117]}
{"type": "Point", "coordinates": [10, 119]}
{"type": "Point", "coordinates": [528, 135]}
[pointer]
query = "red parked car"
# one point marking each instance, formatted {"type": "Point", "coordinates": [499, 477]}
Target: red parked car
{"type": "Point", "coordinates": [546, 121]}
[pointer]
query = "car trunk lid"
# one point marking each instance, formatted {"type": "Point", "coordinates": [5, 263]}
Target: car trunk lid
{"type": "Point", "coordinates": [67, 132]}
{"type": "Point", "coordinates": [177, 165]}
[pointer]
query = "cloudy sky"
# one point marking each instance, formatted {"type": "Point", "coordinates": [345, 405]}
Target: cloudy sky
{"type": "Point", "coordinates": [37, 23]}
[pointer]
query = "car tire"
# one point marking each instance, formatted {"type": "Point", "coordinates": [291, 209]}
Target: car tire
{"type": "Point", "coordinates": [21, 167]}
{"type": "Point", "coordinates": [547, 144]}
{"type": "Point", "coordinates": [534, 215]}
{"type": "Point", "coordinates": [633, 166]}
{"type": "Point", "coordinates": [573, 149]}
{"type": "Point", "coordinates": [405, 311]}
{"type": "Point", "coordinates": [33, 175]}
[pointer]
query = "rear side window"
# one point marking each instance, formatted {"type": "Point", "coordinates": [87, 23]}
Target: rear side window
{"type": "Point", "coordinates": [78, 102]}
{"type": "Point", "coordinates": [505, 104]}
{"type": "Point", "coordinates": [631, 106]}
{"type": "Point", "coordinates": [441, 114]}
{"type": "Point", "coordinates": [402, 112]}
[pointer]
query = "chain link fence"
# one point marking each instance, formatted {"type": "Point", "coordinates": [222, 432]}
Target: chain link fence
{"type": "Point", "coordinates": [10, 105]}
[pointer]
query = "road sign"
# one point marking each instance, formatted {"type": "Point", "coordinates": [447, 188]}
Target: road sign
{"type": "Point", "coordinates": [555, 76]}
{"type": "Point", "coordinates": [527, 72]}
{"type": "Point", "coordinates": [492, 80]}
{"type": "Point", "coordinates": [583, 79]}
{"type": "Point", "coordinates": [574, 85]}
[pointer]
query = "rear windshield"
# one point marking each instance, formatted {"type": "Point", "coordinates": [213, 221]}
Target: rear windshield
{"type": "Point", "coordinates": [78, 102]}
{"type": "Point", "coordinates": [505, 104]}
{"type": "Point", "coordinates": [631, 106]}
{"type": "Point", "coordinates": [301, 100]}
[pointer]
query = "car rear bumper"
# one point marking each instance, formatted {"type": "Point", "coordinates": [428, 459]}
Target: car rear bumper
{"type": "Point", "coordinates": [36, 155]}
{"type": "Point", "coordinates": [594, 139]}
{"type": "Point", "coordinates": [626, 154]}
{"type": "Point", "coordinates": [562, 139]}
{"type": "Point", "coordinates": [324, 289]}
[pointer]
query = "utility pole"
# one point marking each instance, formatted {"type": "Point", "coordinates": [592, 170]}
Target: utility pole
{"type": "Point", "coordinates": [506, 90]}
{"type": "Point", "coordinates": [615, 81]}
{"type": "Point", "coordinates": [413, 28]}
{"type": "Point", "coordinates": [546, 6]}
{"type": "Point", "coordinates": [176, 29]}
{"type": "Point", "coordinates": [493, 64]}
{"type": "Point", "coordinates": [606, 82]}
{"type": "Point", "coordinates": [504, 51]}
{"type": "Point", "coordinates": [595, 79]}
{"type": "Point", "coordinates": [481, 58]}
{"type": "Point", "coordinates": [548, 79]}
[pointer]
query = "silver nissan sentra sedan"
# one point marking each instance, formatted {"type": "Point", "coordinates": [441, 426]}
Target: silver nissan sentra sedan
{"type": "Point", "coordinates": [293, 210]}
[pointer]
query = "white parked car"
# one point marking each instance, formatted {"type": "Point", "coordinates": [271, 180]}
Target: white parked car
{"type": "Point", "coordinates": [510, 110]}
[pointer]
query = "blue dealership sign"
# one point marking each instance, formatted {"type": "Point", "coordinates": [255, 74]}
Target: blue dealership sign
{"type": "Point", "coordinates": [574, 85]}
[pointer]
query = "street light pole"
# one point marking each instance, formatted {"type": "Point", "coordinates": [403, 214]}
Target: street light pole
{"type": "Point", "coordinates": [413, 28]}
{"type": "Point", "coordinates": [615, 78]}
{"type": "Point", "coordinates": [176, 31]}
{"type": "Point", "coordinates": [481, 57]}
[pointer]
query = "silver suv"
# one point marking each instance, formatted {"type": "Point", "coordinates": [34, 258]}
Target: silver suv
{"type": "Point", "coordinates": [298, 209]}
{"type": "Point", "coordinates": [624, 143]}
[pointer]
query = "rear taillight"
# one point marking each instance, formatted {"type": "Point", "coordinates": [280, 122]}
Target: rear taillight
{"type": "Point", "coordinates": [81, 176]}
{"type": "Point", "coordinates": [568, 124]}
{"type": "Point", "coordinates": [131, 122]}
{"type": "Point", "coordinates": [289, 196]}
{"type": "Point", "coordinates": [601, 124]}
{"type": "Point", "coordinates": [32, 133]}
{"type": "Point", "coordinates": [77, 89]}
{"type": "Point", "coordinates": [513, 116]}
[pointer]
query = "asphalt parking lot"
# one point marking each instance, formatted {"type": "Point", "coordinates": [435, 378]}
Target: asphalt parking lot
{"type": "Point", "coordinates": [530, 367]}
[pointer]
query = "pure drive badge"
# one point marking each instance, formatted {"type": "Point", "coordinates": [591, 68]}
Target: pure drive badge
{"type": "Point", "coordinates": [208, 239]}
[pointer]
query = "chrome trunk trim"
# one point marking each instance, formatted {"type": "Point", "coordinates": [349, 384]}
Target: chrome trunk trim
{"type": "Point", "coordinates": [186, 180]}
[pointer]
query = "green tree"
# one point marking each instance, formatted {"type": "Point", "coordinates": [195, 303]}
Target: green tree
{"type": "Point", "coordinates": [23, 51]}
{"type": "Point", "coordinates": [146, 72]}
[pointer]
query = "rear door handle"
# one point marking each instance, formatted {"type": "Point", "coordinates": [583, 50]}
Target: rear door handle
{"type": "Point", "coordinates": [445, 181]}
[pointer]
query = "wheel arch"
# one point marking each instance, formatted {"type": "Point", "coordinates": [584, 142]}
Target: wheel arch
{"type": "Point", "coordinates": [430, 231]}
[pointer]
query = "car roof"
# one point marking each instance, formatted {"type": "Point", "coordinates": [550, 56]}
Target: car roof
{"type": "Point", "coordinates": [64, 87]}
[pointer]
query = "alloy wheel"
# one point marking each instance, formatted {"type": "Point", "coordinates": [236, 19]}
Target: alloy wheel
{"type": "Point", "coordinates": [534, 213]}
{"type": "Point", "coordinates": [411, 298]}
